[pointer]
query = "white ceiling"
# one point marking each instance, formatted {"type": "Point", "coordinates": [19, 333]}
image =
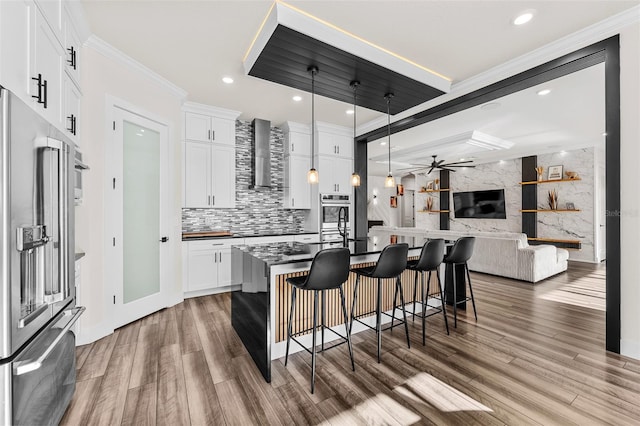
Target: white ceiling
{"type": "Point", "coordinates": [194, 44]}
{"type": "Point", "coordinates": [571, 116]}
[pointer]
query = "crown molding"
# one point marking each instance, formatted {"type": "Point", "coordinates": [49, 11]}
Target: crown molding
{"type": "Point", "coordinates": [570, 43]}
{"type": "Point", "coordinates": [111, 52]}
{"type": "Point", "coordinates": [198, 108]}
{"type": "Point", "coordinates": [291, 126]}
{"type": "Point", "coordinates": [324, 127]}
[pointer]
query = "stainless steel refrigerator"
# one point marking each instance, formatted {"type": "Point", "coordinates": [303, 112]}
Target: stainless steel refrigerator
{"type": "Point", "coordinates": [37, 289]}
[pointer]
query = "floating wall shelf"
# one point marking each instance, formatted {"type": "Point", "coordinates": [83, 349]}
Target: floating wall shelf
{"type": "Point", "coordinates": [549, 211]}
{"type": "Point", "coordinates": [535, 182]}
{"type": "Point", "coordinates": [434, 190]}
{"type": "Point", "coordinates": [433, 211]}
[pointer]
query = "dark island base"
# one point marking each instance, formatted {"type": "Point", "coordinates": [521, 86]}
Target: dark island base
{"type": "Point", "coordinates": [461, 291]}
{"type": "Point", "coordinates": [250, 318]}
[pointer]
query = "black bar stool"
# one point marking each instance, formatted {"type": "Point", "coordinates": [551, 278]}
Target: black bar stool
{"type": "Point", "coordinates": [430, 259]}
{"type": "Point", "coordinates": [459, 255]}
{"type": "Point", "coordinates": [329, 270]}
{"type": "Point", "coordinates": [391, 263]}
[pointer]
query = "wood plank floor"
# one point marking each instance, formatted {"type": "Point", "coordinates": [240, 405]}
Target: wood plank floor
{"type": "Point", "coordinates": [535, 356]}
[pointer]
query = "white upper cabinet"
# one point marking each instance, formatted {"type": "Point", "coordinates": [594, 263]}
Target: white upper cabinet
{"type": "Point", "coordinates": [71, 111]}
{"type": "Point", "coordinates": [46, 62]}
{"type": "Point", "coordinates": [334, 140]}
{"type": "Point", "coordinates": [334, 159]}
{"type": "Point", "coordinates": [209, 157]}
{"type": "Point", "coordinates": [52, 11]}
{"type": "Point", "coordinates": [297, 162]}
{"type": "Point", "coordinates": [297, 191]}
{"type": "Point", "coordinates": [206, 128]}
{"type": "Point", "coordinates": [297, 139]}
{"type": "Point", "coordinates": [34, 62]}
{"type": "Point", "coordinates": [334, 174]}
{"type": "Point", "coordinates": [16, 23]}
{"type": "Point", "coordinates": [72, 46]}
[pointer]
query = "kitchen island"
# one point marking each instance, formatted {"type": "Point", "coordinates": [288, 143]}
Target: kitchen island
{"type": "Point", "coordinates": [260, 310]}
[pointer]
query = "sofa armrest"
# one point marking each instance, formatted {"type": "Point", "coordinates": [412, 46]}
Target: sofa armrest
{"type": "Point", "coordinates": [539, 262]}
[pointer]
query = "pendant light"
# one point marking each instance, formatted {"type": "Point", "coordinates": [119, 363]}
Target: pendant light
{"type": "Point", "coordinates": [312, 175]}
{"type": "Point", "coordinates": [389, 182]}
{"type": "Point", "coordinates": [355, 177]}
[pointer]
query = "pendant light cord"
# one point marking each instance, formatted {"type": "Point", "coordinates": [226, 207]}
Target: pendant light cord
{"type": "Point", "coordinates": [388, 96]}
{"type": "Point", "coordinates": [313, 70]}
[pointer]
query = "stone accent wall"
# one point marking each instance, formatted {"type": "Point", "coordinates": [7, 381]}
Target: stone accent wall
{"type": "Point", "coordinates": [257, 211]}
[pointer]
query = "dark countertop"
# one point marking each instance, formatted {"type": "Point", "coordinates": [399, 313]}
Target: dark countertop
{"type": "Point", "coordinates": [293, 252]}
{"type": "Point", "coordinates": [257, 234]}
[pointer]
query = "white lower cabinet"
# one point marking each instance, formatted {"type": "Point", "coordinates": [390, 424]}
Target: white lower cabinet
{"type": "Point", "coordinates": [208, 264]}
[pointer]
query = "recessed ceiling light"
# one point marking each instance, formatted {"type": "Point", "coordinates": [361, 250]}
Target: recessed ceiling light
{"type": "Point", "coordinates": [604, 134]}
{"type": "Point", "coordinates": [544, 92]}
{"type": "Point", "coordinates": [383, 143]}
{"type": "Point", "coordinates": [227, 80]}
{"type": "Point", "coordinates": [297, 98]}
{"type": "Point", "coordinates": [490, 106]}
{"type": "Point", "coordinates": [523, 18]}
{"type": "Point", "coordinates": [350, 111]}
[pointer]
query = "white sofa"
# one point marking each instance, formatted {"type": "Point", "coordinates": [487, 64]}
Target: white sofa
{"type": "Point", "coordinates": [506, 254]}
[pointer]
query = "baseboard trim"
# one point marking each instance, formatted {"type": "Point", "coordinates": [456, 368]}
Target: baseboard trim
{"type": "Point", "coordinates": [88, 335]}
{"type": "Point", "coordinates": [630, 348]}
{"type": "Point", "coordinates": [208, 291]}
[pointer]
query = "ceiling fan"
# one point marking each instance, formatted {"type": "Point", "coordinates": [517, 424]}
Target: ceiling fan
{"type": "Point", "coordinates": [442, 166]}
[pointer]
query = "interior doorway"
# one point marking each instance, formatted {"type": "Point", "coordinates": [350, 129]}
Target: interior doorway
{"type": "Point", "coordinates": [137, 216]}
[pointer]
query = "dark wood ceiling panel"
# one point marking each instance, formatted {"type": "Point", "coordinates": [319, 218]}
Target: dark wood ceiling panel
{"type": "Point", "coordinates": [288, 54]}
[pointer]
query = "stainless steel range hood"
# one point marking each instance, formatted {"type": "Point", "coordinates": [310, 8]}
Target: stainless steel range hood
{"type": "Point", "coordinates": [260, 131]}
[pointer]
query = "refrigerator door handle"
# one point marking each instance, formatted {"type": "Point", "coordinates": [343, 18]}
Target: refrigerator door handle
{"type": "Point", "coordinates": [24, 367]}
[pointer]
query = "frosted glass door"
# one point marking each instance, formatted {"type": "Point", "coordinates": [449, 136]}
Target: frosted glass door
{"type": "Point", "coordinates": [141, 205]}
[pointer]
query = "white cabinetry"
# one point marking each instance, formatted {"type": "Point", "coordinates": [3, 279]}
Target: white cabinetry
{"type": "Point", "coordinates": [35, 64]}
{"type": "Point", "coordinates": [206, 128]}
{"type": "Point", "coordinates": [209, 265]}
{"type": "Point", "coordinates": [209, 157]}
{"type": "Point", "coordinates": [334, 148]}
{"type": "Point", "coordinates": [46, 68]}
{"type": "Point", "coordinates": [209, 175]}
{"type": "Point", "coordinates": [16, 26]}
{"type": "Point", "coordinates": [72, 46]}
{"type": "Point", "coordinates": [335, 175]}
{"type": "Point", "coordinates": [297, 162]}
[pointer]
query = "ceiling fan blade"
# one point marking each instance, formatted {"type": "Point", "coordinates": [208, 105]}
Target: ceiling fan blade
{"type": "Point", "coordinates": [440, 162]}
{"type": "Point", "coordinates": [431, 169]}
{"type": "Point", "coordinates": [455, 165]}
{"type": "Point", "coordinates": [448, 170]}
{"type": "Point", "coordinates": [459, 162]}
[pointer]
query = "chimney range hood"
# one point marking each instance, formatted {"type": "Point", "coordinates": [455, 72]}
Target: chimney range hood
{"type": "Point", "coordinates": [260, 132]}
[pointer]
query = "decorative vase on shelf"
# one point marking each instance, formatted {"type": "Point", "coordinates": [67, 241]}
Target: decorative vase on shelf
{"type": "Point", "coordinates": [553, 200]}
{"type": "Point", "coordinates": [540, 171]}
{"type": "Point", "coordinates": [429, 204]}
{"type": "Point", "coordinates": [436, 184]}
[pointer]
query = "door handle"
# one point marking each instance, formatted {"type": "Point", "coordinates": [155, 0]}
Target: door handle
{"type": "Point", "coordinates": [164, 239]}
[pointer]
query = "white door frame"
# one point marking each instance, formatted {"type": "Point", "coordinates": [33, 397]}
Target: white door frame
{"type": "Point", "coordinates": [113, 255]}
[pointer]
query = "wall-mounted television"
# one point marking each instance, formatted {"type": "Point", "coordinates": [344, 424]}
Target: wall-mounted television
{"type": "Point", "coordinates": [487, 204]}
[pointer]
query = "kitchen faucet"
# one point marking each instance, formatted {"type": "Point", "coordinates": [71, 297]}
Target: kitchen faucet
{"type": "Point", "coordinates": [343, 220]}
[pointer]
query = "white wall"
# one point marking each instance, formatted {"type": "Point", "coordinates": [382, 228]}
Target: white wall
{"type": "Point", "coordinates": [378, 208]}
{"type": "Point", "coordinates": [630, 176]}
{"type": "Point", "coordinates": [104, 76]}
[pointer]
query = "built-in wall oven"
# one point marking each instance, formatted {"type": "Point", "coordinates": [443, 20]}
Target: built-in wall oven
{"type": "Point", "coordinates": [334, 217]}
{"type": "Point", "coordinates": [79, 167]}
{"type": "Point", "coordinates": [37, 288]}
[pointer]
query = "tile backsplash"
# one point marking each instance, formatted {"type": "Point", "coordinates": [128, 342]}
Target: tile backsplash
{"type": "Point", "coordinates": [256, 211]}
